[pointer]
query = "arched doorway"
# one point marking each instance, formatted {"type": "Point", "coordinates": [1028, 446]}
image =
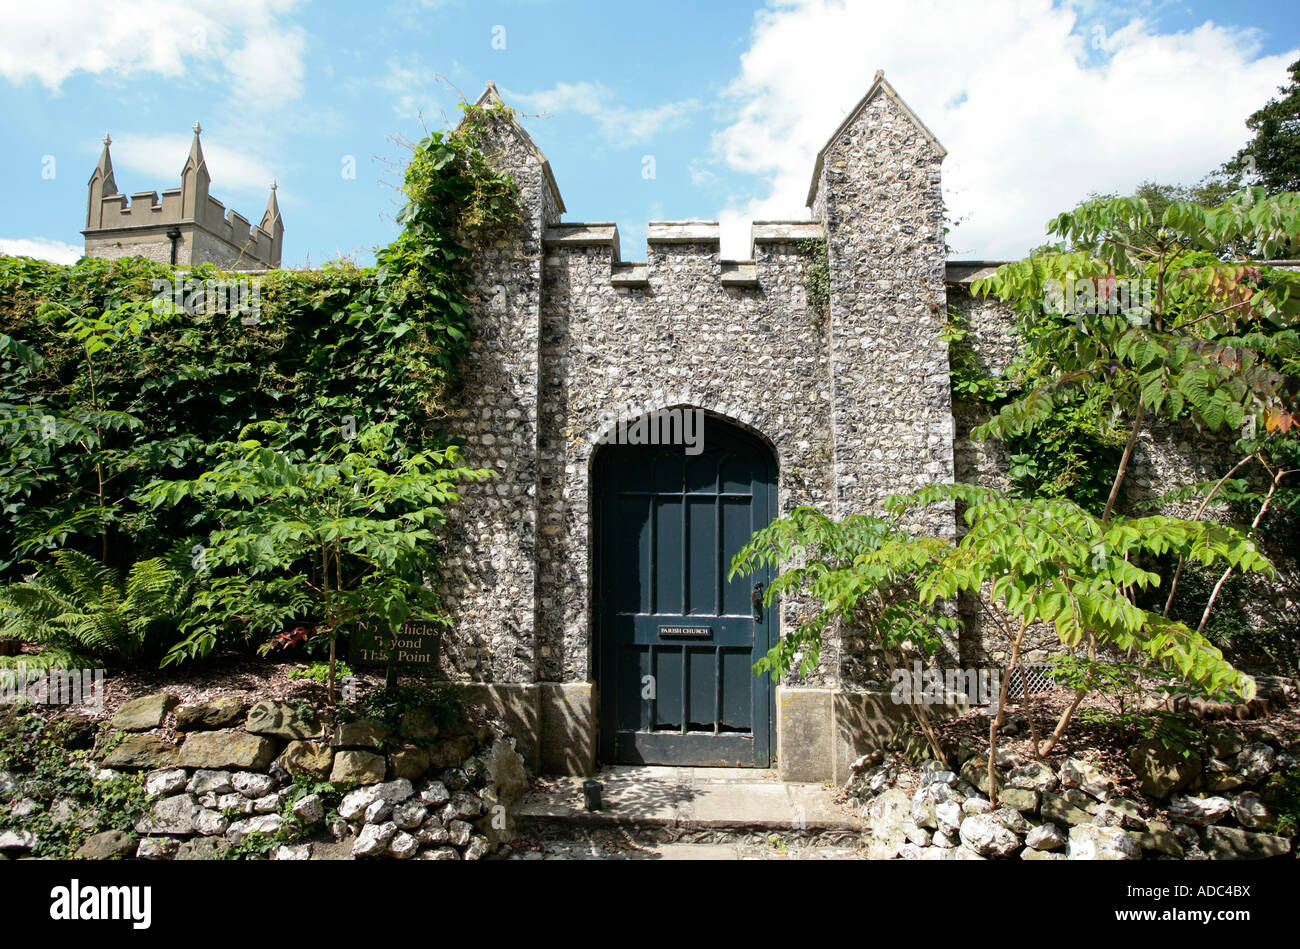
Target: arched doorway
{"type": "Point", "coordinates": [675, 640]}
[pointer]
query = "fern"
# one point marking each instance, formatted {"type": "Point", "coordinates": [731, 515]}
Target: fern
{"type": "Point", "coordinates": [77, 608]}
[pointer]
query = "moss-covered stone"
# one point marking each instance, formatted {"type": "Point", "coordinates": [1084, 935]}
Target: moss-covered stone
{"type": "Point", "coordinates": [144, 713]}
{"type": "Point", "coordinates": [227, 748]}
{"type": "Point", "coordinates": [138, 752]}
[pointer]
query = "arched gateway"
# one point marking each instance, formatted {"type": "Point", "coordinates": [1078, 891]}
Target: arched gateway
{"type": "Point", "coordinates": [676, 641]}
{"type": "Point", "coordinates": [573, 598]}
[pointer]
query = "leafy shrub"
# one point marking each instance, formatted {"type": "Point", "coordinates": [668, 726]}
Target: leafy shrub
{"type": "Point", "coordinates": [320, 672]}
{"type": "Point", "coordinates": [331, 540]}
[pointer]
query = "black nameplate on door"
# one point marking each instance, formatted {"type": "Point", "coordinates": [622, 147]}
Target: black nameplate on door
{"type": "Point", "coordinates": [685, 632]}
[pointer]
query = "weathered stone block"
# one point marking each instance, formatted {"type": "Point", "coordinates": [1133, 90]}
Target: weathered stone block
{"type": "Point", "coordinates": [144, 713]}
{"type": "Point", "coordinates": [308, 758]}
{"type": "Point", "coordinates": [203, 848]}
{"type": "Point", "coordinates": [408, 761]}
{"type": "Point", "coordinates": [223, 712]}
{"type": "Point", "coordinates": [171, 815]}
{"type": "Point", "coordinates": [1161, 771]}
{"type": "Point", "coordinates": [137, 752]}
{"type": "Point", "coordinates": [1020, 799]}
{"type": "Point", "coordinates": [984, 834]}
{"type": "Point", "coordinates": [1056, 808]}
{"type": "Point", "coordinates": [566, 713]}
{"type": "Point", "coordinates": [1233, 843]}
{"type": "Point", "coordinates": [358, 767]}
{"type": "Point", "coordinates": [1045, 837]}
{"type": "Point", "coordinates": [109, 845]}
{"type": "Point", "coordinates": [1090, 842]}
{"type": "Point", "coordinates": [362, 733]}
{"type": "Point", "coordinates": [805, 734]}
{"type": "Point", "coordinates": [229, 748]}
{"type": "Point", "coordinates": [281, 720]}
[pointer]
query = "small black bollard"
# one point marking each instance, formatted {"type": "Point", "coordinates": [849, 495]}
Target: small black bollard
{"type": "Point", "coordinates": [591, 791]}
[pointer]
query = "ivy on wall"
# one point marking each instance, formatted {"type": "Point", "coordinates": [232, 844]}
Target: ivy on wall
{"type": "Point", "coordinates": [1071, 454]}
{"type": "Point", "coordinates": [817, 279]}
{"type": "Point", "coordinates": [114, 373]}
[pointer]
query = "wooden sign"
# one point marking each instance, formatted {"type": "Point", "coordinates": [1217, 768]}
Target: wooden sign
{"type": "Point", "coordinates": [414, 645]}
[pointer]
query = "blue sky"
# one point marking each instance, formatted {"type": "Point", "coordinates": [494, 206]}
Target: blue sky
{"type": "Point", "coordinates": [1038, 103]}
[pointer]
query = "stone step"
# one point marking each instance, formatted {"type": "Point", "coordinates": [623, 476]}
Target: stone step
{"type": "Point", "coordinates": [748, 847]}
{"type": "Point", "coordinates": [724, 799]}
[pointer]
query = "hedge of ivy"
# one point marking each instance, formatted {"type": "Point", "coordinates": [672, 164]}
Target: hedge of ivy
{"type": "Point", "coordinates": [114, 373]}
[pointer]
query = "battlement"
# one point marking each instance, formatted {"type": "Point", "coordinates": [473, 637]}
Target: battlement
{"type": "Point", "coordinates": [668, 242]}
{"type": "Point", "coordinates": [187, 226]}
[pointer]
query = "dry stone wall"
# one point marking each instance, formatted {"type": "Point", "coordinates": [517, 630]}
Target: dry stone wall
{"type": "Point", "coordinates": [1217, 800]}
{"type": "Point", "coordinates": [432, 785]}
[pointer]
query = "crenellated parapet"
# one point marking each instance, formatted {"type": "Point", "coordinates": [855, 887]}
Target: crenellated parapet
{"type": "Point", "coordinates": [672, 245]}
{"type": "Point", "coordinates": [186, 226]}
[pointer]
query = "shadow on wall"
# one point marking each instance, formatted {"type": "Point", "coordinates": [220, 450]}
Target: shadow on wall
{"type": "Point", "coordinates": [554, 723]}
{"type": "Point", "coordinates": [869, 721]}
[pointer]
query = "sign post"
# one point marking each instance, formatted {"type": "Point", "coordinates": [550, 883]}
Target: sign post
{"type": "Point", "coordinates": [413, 647]}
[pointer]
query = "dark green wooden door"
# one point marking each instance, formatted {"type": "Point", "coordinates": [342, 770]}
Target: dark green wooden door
{"type": "Point", "coordinates": [676, 641]}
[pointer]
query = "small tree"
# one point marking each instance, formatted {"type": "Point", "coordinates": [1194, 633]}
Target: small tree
{"type": "Point", "coordinates": [863, 571]}
{"type": "Point", "coordinates": [327, 543]}
{"type": "Point", "coordinates": [1026, 561]}
{"type": "Point", "coordinates": [1197, 339]}
{"type": "Point", "coordinates": [1048, 561]}
{"type": "Point", "coordinates": [1272, 157]}
{"type": "Point", "coordinates": [1193, 338]}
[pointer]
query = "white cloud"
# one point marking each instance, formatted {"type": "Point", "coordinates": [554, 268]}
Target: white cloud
{"type": "Point", "coordinates": [268, 68]}
{"type": "Point", "coordinates": [156, 162]}
{"type": "Point", "coordinates": [1033, 116]}
{"type": "Point", "coordinates": [417, 90]}
{"type": "Point", "coordinates": [701, 175]}
{"type": "Point", "coordinates": [619, 125]}
{"type": "Point", "coordinates": [43, 248]}
{"type": "Point", "coordinates": [245, 42]}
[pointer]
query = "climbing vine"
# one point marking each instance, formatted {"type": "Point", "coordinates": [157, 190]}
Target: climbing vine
{"type": "Point", "coordinates": [115, 373]}
{"type": "Point", "coordinates": [1072, 452]}
{"type": "Point", "coordinates": [817, 278]}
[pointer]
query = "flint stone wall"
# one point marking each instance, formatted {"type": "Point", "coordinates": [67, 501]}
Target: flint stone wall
{"type": "Point", "coordinates": [854, 401]}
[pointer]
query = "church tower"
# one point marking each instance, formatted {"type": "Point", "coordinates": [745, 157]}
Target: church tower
{"type": "Point", "coordinates": [187, 227]}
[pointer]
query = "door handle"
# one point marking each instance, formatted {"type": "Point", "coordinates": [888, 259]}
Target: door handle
{"type": "Point", "coordinates": [756, 598]}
